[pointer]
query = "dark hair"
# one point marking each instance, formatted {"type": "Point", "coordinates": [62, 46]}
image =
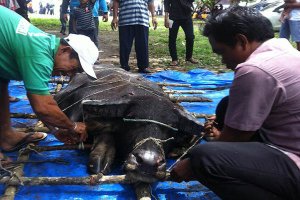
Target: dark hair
{"type": "Point", "coordinates": [226, 24]}
{"type": "Point", "coordinates": [73, 53]}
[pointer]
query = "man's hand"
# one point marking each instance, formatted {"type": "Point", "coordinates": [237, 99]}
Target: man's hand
{"type": "Point", "coordinates": [65, 136]}
{"type": "Point", "coordinates": [66, 17]}
{"type": "Point", "coordinates": [80, 131]}
{"type": "Point", "coordinates": [114, 24]}
{"type": "Point", "coordinates": [182, 171]}
{"type": "Point", "coordinates": [154, 22]}
{"type": "Point", "coordinates": [104, 17]}
{"type": "Point", "coordinates": [211, 132]}
{"type": "Point", "coordinates": [167, 25]}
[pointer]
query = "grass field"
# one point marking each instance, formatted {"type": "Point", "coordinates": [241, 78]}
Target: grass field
{"type": "Point", "coordinates": [158, 42]}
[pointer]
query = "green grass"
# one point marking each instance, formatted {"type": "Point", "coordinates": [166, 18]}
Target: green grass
{"type": "Point", "coordinates": [46, 24]}
{"type": "Point", "coordinates": [158, 42]}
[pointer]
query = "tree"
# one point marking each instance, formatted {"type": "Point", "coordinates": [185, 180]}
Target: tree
{"type": "Point", "coordinates": [212, 3]}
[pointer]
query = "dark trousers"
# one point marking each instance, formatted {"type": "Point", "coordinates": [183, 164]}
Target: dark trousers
{"type": "Point", "coordinates": [140, 34]}
{"type": "Point", "coordinates": [71, 24]}
{"type": "Point", "coordinates": [96, 20]}
{"type": "Point", "coordinates": [90, 33]}
{"type": "Point", "coordinates": [245, 170]}
{"type": "Point", "coordinates": [23, 13]}
{"type": "Point", "coordinates": [187, 26]}
{"type": "Point", "coordinates": [63, 25]}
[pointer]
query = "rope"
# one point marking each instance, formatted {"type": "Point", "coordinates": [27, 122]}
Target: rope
{"type": "Point", "coordinates": [158, 142]}
{"type": "Point", "coordinates": [151, 121]}
{"type": "Point", "coordinates": [179, 159]}
{"type": "Point", "coordinates": [29, 148]}
{"type": "Point", "coordinates": [76, 102]}
{"type": "Point", "coordinates": [148, 89]}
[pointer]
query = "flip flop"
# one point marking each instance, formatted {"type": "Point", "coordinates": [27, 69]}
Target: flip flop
{"type": "Point", "coordinates": [25, 141]}
{"type": "Point", "coordinates": [14, 99]}
{"type": "Point", "coordinates": [174, 63]}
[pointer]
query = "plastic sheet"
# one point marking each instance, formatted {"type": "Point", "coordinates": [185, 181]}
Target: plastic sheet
{"type": "Point", "coordinates": [198, 79]}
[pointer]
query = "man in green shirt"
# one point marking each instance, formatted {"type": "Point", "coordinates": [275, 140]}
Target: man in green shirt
{"type": "Point", "coordinates": [30, 55]}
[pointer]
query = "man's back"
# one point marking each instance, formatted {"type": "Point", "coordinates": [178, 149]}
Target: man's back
{"type": "Point", "coordinates": [270, 82]}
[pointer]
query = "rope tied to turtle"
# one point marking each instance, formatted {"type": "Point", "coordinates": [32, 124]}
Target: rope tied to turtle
{"type": "Point", "coordinates": [120, 79]}
{"type": "Point", "coordinates": [156, 141]}
{"type": "Point", "coordinates": [150, 121]}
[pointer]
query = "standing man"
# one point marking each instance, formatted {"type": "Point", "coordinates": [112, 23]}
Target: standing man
{"type": "Point", "coordinates": [181, 15]}
{"type": "Point", "coordinates": [263, 99]}
{"type": "Point", "coordinates": [133, 22]}
{"type": "Point", "coordinates": [30, 55]}
{"type": "Point", "coordinates": [99, 5]}
{"type": "Point", "coordinates": [84, 21]}
{"type": "Point", "coordinates": [291, 26]}
{"type": "Point", "coordinates": [23, 10]}
{"type": "Point", "coordinates": [73, 4]}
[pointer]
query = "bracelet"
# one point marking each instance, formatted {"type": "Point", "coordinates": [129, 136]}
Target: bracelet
{"type": "Point", "coordinates": [75, 126]}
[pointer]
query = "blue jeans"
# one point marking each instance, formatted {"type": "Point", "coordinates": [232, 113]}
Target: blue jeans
{"type": "Point", "coordinates": [290, 28]}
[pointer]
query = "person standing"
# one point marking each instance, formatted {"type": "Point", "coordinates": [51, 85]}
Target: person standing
{"type": "Point", "coordinates": [72, 4]}
{"type": "Point", "coordinates": [133, 20]}
{"type": "Point", "coordinates": [31, 55]}
{"type": "Point", "coordinates": [99, 5]}
{"type": "Point", "coordinates": [23, 10]}
{"type": "Point", "coordinates": [256, 154]}
{"type": "Point", "coordinates": [291, 25]}
{"type": "Point", "coordinates": [181, 15]}
{"type": "Point", "coordinates": [84, 21]}
{"type": "Point", "coordinates": [63, 22]}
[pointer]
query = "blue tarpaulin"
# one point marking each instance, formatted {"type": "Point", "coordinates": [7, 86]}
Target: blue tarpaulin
{"type": "Point", "coordinates": [214, 86]}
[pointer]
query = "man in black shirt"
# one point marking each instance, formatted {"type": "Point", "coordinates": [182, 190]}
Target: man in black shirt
{"type": "Point", "coordinates": [180, 12]}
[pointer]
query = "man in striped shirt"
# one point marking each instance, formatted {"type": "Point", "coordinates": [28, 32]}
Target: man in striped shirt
{"type": "Point", "coordinates": [84, 21]}
{"type": "Point", "coordinates": [133, 24]}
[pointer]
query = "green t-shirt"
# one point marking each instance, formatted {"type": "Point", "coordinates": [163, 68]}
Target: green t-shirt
{"type": "Point", "coordinates": [26, 52]}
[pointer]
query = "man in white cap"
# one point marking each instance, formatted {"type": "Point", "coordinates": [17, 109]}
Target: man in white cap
{"type": "Point", "coordinates": [30, 55]}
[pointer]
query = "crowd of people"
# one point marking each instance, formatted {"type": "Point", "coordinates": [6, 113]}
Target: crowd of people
{"type": "Point", "coordinates": [254, 147]}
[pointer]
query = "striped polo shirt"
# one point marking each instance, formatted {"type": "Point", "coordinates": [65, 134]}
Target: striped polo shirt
{"type": "Point", "coordinates": [134, 12]}
{"type": "Point", "coordinates": [84, 17]}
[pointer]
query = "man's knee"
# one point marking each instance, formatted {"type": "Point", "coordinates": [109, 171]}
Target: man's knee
{"type": "Point", "coordinates": [204, 156]}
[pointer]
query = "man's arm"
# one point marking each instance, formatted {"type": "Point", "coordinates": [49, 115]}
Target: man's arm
{"type": "Point", "coordinates": [229, 134]}
{"type": "Point", "coordinates": [49, 113]}
{"type": "Point", "coordinates": [167, 10]}
{"type": "Point", "coordinates": [114, 22]}
{"type": "Point", "coordinates": [292, 5]}
{"type": "Point", "coordinates": [151, 8]}
{"type": "Point", "coordinates": [103, 7]}
{"type": "Point", "coordinates": [64, 8]}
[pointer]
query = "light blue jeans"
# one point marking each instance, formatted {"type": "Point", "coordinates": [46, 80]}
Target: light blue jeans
{"type": "Point", "coordinates": [290, 28]}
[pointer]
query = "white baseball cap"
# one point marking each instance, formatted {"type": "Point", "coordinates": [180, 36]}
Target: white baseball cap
{"type": "Point", "coordinates": [86, 50]}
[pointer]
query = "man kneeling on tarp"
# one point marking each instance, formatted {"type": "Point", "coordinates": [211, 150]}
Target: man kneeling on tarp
{"type": "Point", "coordinates": [28, 54]}
{"type": "Point", "coordinates": [264, 99]}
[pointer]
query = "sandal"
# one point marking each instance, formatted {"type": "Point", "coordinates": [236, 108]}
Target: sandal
{"type": "Point", "coordinates": [191, 60]}
{"type": "Point", "coordinates": [25, 141]}
{"type": "Point", "coordinates": [174, 63]}
{"type": "Point", "coordinates": [13, 99]}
